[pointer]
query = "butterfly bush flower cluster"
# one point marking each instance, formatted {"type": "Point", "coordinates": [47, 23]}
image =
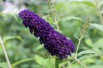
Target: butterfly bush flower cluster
{"type": "Point", "coordinates": [56, 43]}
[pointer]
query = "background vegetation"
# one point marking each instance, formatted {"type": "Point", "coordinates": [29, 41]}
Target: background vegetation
{"type": "Point", "coordinates": [24, 47]}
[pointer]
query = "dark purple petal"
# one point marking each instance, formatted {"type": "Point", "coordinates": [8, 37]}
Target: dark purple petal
{"type": "Point", "coordinates": [56, 43]}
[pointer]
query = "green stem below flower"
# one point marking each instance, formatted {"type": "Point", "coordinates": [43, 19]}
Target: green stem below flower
{"type": "Point", "coordinates": [57, 62]}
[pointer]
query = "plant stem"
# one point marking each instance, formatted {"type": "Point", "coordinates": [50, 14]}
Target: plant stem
{"type": "Point", "coordinates": [5, 53]}
{"type": "Point", "coordinates": [57, 25]}
{"type": "Point", "coordinates": [79, 62]}
{"type": "Point", "coordinates": [78, 44]}
{"type": "Point", "coordinates": [70, 66]}
{"type": "Point", "coordinates": [19, 62]}
{"type": "Point", "coordinates": [98, 11]}
{"type": "Point", "coordinates": [57, 62]}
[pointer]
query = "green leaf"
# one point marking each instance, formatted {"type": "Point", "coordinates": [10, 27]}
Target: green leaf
{"type": "Point", "coordinates": [57, 62]}
{"type": "Point", "coordinates": [101, 4]}
{"type": "Point", "coordinates": [98, 26]}
{"type": "Point", "coordinates": [39, 47]}
{"type": "Point", "coordinates": [89, 56]}
{"type": "Point", "coordinates": [39, 60]}
{"type": "Point", "coordinates": [14, 16]}
{"type": "Point", "coordinates": [3, 65]}
{"type": "Point", "coordinates": [86, 52]}
{"type": "Point", "coordinates": [99, 44]}
{"type": "Point", "coordinates": [11, 15]}
{"type": "Point", "coordinates": [89, 42]}
{"type": "Point", "coordinates": [45, 63]}
{"type": "Point", "coordinates": [12, 37]}
{"type": "Point", "coordinates": [21, 61]}
{"type": "Point", "coordinates": [1, 13]}
{"type": "Point", "coordinates": [84, 2]}
{"type": "Point", "coordinates": [96, 66]}
{"type": "Point", "coordinates": [101, 11]}
{"type": "Point", "coordinates": [74, 18]}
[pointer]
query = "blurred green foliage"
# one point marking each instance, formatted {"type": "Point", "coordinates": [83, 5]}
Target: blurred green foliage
{"type": "Point", "coordinates": [21, 45]}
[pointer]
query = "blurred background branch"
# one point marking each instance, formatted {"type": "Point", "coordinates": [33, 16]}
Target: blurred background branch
{"type": "Point", "coordinates": [5, 52]}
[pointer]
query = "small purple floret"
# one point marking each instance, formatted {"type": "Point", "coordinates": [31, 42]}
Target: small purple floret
{"type": "Point", "coordinates": [56, 43]}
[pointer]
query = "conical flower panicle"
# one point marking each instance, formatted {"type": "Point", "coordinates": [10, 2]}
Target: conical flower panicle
{"type": "Point", "coordinates": [56, 43]}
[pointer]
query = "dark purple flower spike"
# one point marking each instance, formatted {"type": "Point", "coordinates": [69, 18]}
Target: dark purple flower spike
{"type": "Point", "coordinates": [56, 43]}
